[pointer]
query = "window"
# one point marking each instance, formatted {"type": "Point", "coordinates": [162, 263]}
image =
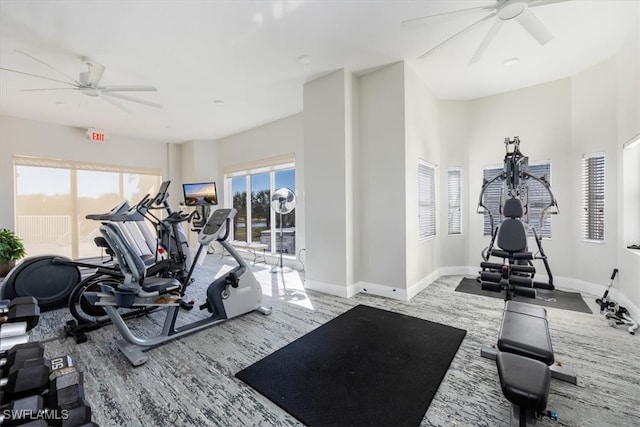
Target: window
{"type": "Point", "coordinates": [251, 191]}
{"type": "Point", "coordinates": [492, 199]}
{"type": "Point", "coordinates": [535, 199]}
{"type": "Point", "coordinates": [538, 199]}
{"type": "Point", "coordinates": [426, 200]}
{"type": "Point", "coordinates": [593, 170]}
{"type": "Point", "coordinates": [53, 197]}
{"type": "Point", "coordinates": [454, 188]}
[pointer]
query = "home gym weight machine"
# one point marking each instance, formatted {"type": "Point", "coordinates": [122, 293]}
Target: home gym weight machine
{"type": "Point", "coordinates": [515, 178]}
{"type": "Point", "coordinates": [233, 294]}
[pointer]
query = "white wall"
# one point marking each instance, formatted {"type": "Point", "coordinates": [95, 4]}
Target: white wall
{"type": "Point", "coordinates": [30, 138]}
{"type": "Point", "coordinates": [382, 216]}
{"type": "Point", "coordinates": [422, 141]}
{"type": "Point", "coordinates": [594, 129]}
{"type": "Point", "coordinates": [328, 145]}
{"type": "Point", "coordinates": [541, 117]}
{"type": "Point", "coordinates": [454, 131]}
{"type": "Point", "coordinates": [628, 207]}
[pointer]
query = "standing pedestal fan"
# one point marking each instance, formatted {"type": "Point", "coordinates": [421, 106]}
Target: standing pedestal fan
{"type": "Point", "coordinates": [283, 201]}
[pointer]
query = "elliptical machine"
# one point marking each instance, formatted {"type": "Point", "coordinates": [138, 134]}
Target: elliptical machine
{"type": "Point", "coordinates": [233, 294]}
{"type": "Point", "coordinates": [172, 259]}
{"type": "Point", "coordinates": [48, 278]}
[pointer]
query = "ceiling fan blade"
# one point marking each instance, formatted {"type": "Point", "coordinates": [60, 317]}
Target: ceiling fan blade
{"type": "Point", "coordinates": [536, 28]}
{"type": "Point", "coordinates": [129, 88]}
{"type": "Point", "coordinates": [412, 23]}
{"type": "Point", "coordinates": [35, 75]}
{"type": "Point", "coordinates": [48, 66]}
{"type": "Point", "coordinates": [486, 41]}
{"type": "Point", "coordinates": [534, 3]}
{"type": "Point", "coordinates": [132, 99]}
{"type": "Point", "coordinates": [116, 104]}
{"type": "Point", "coordinates": [489, 16]}
{"type": "Point", "coordinates": [49, 88]}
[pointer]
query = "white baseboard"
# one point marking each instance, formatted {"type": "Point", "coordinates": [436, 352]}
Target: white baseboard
{"type": "Point", "coordinates": [331, 289]}
{"type": "Point", "coordinates": [382, 290]}
{"type": "Point", "coordinates": [563, 283]}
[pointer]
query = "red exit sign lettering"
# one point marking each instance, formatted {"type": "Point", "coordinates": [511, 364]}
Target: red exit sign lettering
{"type": "Point", "coordinates": [96, 135]}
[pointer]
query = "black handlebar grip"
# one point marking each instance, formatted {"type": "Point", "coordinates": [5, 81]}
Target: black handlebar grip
{"type": "Point", "coordinates": [613, 275]}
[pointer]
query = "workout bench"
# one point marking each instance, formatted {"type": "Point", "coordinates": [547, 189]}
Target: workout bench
{"type": "Point", "coordinates": [525, 360]}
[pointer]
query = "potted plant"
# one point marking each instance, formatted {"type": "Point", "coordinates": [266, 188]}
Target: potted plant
{"type": "Point", "coordinates": [11, 250]}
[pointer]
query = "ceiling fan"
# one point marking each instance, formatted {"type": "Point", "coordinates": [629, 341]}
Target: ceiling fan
{"type": "Point", "coordinates": [88, 83]}
{"type": "Point", "coordinates": [502, 11]}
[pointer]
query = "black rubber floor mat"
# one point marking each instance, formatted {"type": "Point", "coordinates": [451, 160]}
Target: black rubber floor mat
{"type": "Point", "coordinates": [366, 367]}
{"type": "Point", "coordinates": [558, 299]}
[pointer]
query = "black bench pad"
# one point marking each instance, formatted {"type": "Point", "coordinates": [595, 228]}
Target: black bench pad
{"type": "Point", "coordinates": [160, 284]}
{"type": "Point", "coordinates": [524, 382]}
{"type": "Point", "coordinates": [531, 310]}
{"type": "Point", "coordinates": [526, 335]}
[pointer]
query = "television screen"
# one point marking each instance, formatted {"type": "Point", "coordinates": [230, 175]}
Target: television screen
{"type": "Point", "coordinates": [200, 194]}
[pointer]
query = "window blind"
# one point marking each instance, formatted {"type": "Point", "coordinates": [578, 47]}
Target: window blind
{"type": "Point", "coordinates": [492, 199]}
{"type": "Point", "coordinates": [539, 199]}
{"type": "Point", "coordinates": [426, 200]}
{"type": "Point", "coordinates": [454, 189]}
{"type": "Point", "coordinates": [76, 165]}
{"type": "Point", "coordinates": [593, 180]}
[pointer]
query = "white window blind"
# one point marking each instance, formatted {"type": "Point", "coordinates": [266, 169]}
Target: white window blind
{"type": "Point", "coordinates": [539, 199]}
{"type": "Point", "coordinates": [492, 199]}
{"type": "Point", "coordinates": [593, 175]}
{"type": "Point", "coordinates": [454, 188]}
{"type": "Point", "coordinates": [426, 200]}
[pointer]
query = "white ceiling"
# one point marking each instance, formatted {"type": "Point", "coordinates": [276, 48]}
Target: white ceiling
{"type": "Point", "coordinates": [246, 54]}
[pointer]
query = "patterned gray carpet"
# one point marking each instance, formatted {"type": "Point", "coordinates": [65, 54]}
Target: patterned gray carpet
{"type": "Point", "coordinates": [190, 382]}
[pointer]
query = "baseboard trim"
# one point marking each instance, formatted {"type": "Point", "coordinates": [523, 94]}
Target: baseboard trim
{"type": "Point", "coordinates": [563, 283]}
{"type": "Point", "coordinates": [331, 288]}
{"type": "Point", "coordinates": [382, 290]}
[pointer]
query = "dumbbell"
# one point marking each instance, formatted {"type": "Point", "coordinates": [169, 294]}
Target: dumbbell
{"type": "Point", "coordinates": [13, 329]}
{"type": "Point", "coordinates": [21, 410]}
{"type": "Point", "coordinates": [31, 376]}
{"type": "Point", "coordinates": [19, 353]}
{"type": "Point", "coordinates": [16, 328]}
{"type": "Point", "coordinates": [7, 304]}
{"type": "Point", "coordinates": [29, 313]}
{"type": "Point", "coordinates": [66, 395]}
{"type": "Point", "coordinates": [6, 344]}
{"type": "Point", "coordinates": [25, 379]}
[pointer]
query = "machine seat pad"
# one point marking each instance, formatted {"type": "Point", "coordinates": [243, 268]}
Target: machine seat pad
{"type": "Point", "coordinates": [527, 336]}
{"type": "Point", "coordinates": [160, 284]}
{"type": "Point", "coordinates": [524, 382]}
{"type": "Point", "coordinates": [523, 308]}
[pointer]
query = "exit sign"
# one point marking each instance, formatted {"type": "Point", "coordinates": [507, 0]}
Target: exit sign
{"type": "Point", "coordinates": [96, 135]}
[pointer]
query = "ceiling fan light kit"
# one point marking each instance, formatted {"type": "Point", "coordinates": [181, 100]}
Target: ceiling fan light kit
{"type": "Point", "coordinates": [503, 11]}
